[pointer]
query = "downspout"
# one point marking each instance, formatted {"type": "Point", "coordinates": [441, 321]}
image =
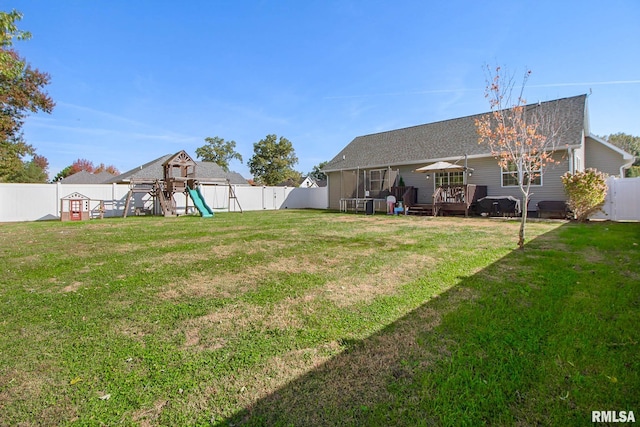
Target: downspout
{"type": "Point", "coordinates": [328, 198]}
{"type": "Point", "coordinates": [464, 173]}
{"type": "Point", "coordinates": [624, 167]}
{"type": "Point", "coordinates": [571, 161]}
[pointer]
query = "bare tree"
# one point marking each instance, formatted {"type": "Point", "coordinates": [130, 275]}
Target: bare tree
{"type": "Point", "coordinates": [522, 138]}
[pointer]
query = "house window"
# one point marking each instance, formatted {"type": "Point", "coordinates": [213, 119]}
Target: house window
{"type": "Point", "coordinates": [377, 179]}
{"type": "Point", "coordinates": [510, 176]}
{"type": "Point", "coordinates": [449, 178]}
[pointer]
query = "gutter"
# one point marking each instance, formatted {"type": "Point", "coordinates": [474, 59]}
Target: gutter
{"type": "Point", "coordinates": [625, 167]}
{"type": "Point", "coordinates": [405, 163]}
{"type": "Point", "coordinates": [625, 156]}
{"type": "Point", "coordinates": [413, 162]}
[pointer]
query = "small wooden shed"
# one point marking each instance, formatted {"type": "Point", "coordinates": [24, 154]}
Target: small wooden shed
{"type": "Point", "coordinates": [74, 207]}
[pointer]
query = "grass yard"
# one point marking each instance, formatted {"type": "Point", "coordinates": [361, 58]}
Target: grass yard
{"type": "Point", "coordinates": [317, 318]}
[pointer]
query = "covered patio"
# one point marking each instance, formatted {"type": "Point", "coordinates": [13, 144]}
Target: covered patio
{"type": "Point", "coordinates": [450, 198]}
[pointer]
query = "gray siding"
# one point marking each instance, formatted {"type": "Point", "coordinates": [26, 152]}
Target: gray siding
{"type": "Point", "coordinates": [600, 157]}
{"type": "Point", "coordinates": [487, 172]}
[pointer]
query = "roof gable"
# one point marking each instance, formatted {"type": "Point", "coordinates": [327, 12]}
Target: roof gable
{"type": "Point", "coordinates": [444, 140]}
{"type": "Point", "coordinates": [75, 196]}
{"type": "Point", "coordinates": [181, 158]}
{"type": "Point", "coordinates": [625, 155]}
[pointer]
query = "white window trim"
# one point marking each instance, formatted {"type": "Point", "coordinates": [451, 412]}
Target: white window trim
{"type": "Point", "coordinates": [382, 179]}
{"type": "Point", "coordinates": [503, 173]}
{"type": "Point", "coordinates": [435, 178]}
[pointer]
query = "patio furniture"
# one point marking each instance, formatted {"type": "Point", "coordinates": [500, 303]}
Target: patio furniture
{"type": "Point", "coordinates": [498, 206]}
{"type": "Point", "coordinates": [552, 209]}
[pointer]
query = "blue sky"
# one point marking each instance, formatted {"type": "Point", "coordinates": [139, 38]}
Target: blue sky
{"type": "Point", "coordinates": [134, 80]}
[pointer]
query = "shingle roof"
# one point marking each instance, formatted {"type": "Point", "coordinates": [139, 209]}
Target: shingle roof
{"type": "Point", "coordinates": [84, 177]}
{"type": "Point", "coordinates": [444, 139]}
{"type": "Point", "coordinates": [154, 170]}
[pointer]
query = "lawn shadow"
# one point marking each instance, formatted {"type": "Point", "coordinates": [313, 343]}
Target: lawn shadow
{"type": "Point", "coordinates": [478, 353]}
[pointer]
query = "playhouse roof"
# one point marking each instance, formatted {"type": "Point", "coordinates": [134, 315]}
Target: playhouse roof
{"type": "Point", "coordinates": [75, 196]}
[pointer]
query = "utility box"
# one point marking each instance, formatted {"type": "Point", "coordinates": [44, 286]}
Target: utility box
{"type": "Point", "coordinates": [368, 207]}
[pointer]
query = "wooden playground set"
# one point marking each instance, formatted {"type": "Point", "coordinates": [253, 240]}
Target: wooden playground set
{"type": "Point", "coordinates": [179, 177]}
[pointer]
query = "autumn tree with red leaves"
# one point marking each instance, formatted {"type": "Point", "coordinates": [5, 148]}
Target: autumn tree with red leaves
{"type": "Point", "coordinates": [21, 93]}
{"type": "Point", "coordinates": [521, 137]}
{"type": "Point", "coordinates": [80, 165]}
{"type": "Point", "coordinates": [108, 169]}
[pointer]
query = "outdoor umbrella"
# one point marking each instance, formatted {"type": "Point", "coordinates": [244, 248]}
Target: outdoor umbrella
{"type": "Point", "coordinates": [440, 167]}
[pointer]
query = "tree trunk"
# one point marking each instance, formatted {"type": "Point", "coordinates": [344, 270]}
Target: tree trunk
{"type": "Point", "coordinates": [523, 222]}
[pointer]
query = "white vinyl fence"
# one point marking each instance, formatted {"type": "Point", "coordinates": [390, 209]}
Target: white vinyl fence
{"type": "Point", "coordinates": [623, 200]}
{"type": "Point", "coordinates": [34, 202]}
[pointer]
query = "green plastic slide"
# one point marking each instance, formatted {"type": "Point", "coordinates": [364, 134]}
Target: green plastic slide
{"type": "Point", "coordinates": [200, 204]}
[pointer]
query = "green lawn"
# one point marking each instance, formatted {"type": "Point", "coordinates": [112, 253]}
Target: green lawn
{"type": "Point", "coordinates": [317, 318]}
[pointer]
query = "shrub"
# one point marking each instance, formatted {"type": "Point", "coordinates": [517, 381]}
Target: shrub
{"type": "Point", "coordinates": [586, 191]}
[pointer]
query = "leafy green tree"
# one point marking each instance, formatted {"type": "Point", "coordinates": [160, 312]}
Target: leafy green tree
{"type": "Point", "coordinates": [273, 160]}
{"type": "Point", "coordinates": [629, 143]}
{"type": "Point", "coordinates": [63, 173]}
{"type": "Point", "coordinates": [33, 171]}
{"type": "Point", "coordinates": [20, 93]}
{"type": "Point", "coordinates": [586, 191]}
{"type": "Point", "coordinates": [317, 173]}
{"type": "Point", "coordinates": [219, 151]}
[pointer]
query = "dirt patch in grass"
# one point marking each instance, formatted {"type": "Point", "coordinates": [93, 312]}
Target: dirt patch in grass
{"type": "Point", "coordinates": [246, 387]}
{"type": "Point", "coordinates": [212, 331]}
{"type": "Point", "coordinates": [74, 287]}
{"type": "Point", "coordinates": [350, 289]}
{"type": "Point", "coordinates": [218, 253]}
{"type": "Point", "coordinates": [346, 374]}
{"type": "Point", "coordinates": [149, 417]}
{"type": "Point", "coordinates": [30, 385]}
{"type": "Point", "coordinates": [234, 283]}
{"type": "Point", "coordinates": [134, 330]}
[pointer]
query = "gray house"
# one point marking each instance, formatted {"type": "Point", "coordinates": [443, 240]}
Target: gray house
{"type": "Point", "coordinates": [373, 166]}
{"type": "Point", "coordinates": [205, 172]}
{"type": "Point", "coordinates": [84, 177]}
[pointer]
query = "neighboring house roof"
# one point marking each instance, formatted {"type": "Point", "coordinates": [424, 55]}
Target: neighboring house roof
{"type": "Point", "coordinates": [154, 170]}
{"type": "Point", "coordinates": [84, 177]}
{"type": "Point", "coordinates": [290, 182]}
{"type": "Point", "coordinates": [305, 181]}
{"type": "Point", "coordinates": [308, 182]}
{"type": "Point", "coordinates": [446, 139]}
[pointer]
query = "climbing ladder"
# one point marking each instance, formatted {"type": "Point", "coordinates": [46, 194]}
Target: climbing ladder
{"type": "Point", "coordinates": [157, 190]}
{"type": "Point", "coordinates": [165, 199]}
{"type": "Point", "coordinates": [137, 186]}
